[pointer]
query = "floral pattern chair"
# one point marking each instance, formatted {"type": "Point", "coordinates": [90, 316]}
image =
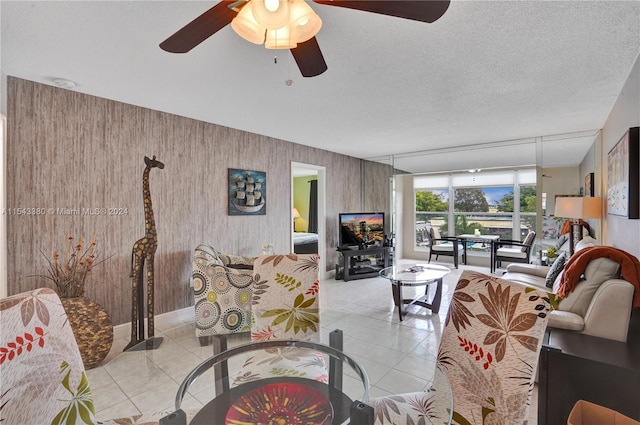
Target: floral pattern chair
{"type": "Point", "coordinates": [284, 306]}
{"type": "Point", "coordinates": [489, 350]}
{"type": "Point", "coordinates": [42, 374]}
{"type": "Point", "coordinates": [222, 291]}
{"type": "Point", "coordinates": [43, 377]}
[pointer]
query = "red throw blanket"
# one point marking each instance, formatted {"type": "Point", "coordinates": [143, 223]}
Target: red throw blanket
{"type": "Point", "coordinates": [630, 268]}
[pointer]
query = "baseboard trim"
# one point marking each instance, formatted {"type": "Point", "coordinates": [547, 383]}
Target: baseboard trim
{"type": "Point", "coordinates": [161, 321]}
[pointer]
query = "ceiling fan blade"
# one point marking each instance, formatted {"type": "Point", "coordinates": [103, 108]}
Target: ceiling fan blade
{"type": "Point", "coordinates": [309, 58]}
{"type": "Point", "coordinates": [417, 10]}
{"type": "Point", "coordinates": [201, 28]}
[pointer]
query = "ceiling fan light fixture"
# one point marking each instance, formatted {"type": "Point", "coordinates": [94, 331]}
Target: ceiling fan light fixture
{"type": "Point", "coordinates": [272, 14]}
{"type": "Point", "coordinates": [246, 26]}
{"type": "Point", "coordinates": [304, 22]}
{"type": "Point", "coordinates": [280, 39]}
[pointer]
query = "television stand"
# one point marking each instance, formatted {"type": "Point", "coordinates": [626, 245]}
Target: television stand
{"type": "Point", "coordinates": [361, 263]}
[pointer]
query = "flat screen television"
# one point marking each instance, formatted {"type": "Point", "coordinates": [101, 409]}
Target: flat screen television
{"type": "Point", "coordinates": [361, 229]}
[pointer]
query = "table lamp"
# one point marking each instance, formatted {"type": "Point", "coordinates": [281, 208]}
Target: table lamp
{"type": "Point", "coordinates": [296, 214]}
{"type": "Point", "coordinates": [575, 208]}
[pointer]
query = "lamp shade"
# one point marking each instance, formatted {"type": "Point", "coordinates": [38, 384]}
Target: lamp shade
{"type": "Point", "coordinates": [296, 214]}
{"type": "Point", "coordinates": [279, 39]}
{"type": "Point", "coordinates": [577, 207]}
{"type": "Point", "coordinates": [591, 207]}
{"type": "Point", "coordinates": [568, 207]}
{"type": "Point", "coordinates": [304, 22]}
{"type": "Point", "coordinates": [273, 14]}
{"type": "Point", "coordinates": [246, 26]}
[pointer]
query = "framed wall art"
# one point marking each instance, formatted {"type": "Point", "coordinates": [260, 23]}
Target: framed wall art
{"type": "Point", "coordinates": [247, 192]}
{"type": "Point", "coordinates": [588, 185]}
{"type": "Point", "coordinates": [623, 176]}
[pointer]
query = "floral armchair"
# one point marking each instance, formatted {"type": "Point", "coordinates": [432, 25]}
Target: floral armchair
{"type": "Point", "coordinates": [222, 291]}
{"type": "Point", "coordinates": [284, 306]}
{"type": "Point", "coordinates": [489, 350]}
{"type": "Point", "coordinates": [43, 377]}
{"type": "Point", "coordinates": [42, 374]}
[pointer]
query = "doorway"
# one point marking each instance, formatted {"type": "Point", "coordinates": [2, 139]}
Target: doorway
{"type": "Point", "coordinates": [301, 174]}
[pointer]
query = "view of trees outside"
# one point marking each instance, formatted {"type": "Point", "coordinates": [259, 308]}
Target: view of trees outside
{"type": "Point", "coordinates": [487, 209]}
{"type": "Point", "coordinates": [432, 201]}
{"type": "Point", "coordinates": [470, 200]}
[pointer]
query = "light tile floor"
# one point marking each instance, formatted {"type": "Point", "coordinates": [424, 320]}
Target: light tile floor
{"type": "Point", "coordinates": [393, 353]}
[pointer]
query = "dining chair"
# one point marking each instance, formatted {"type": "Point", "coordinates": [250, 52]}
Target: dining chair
{"type": "Point", "coordinates": [42, 373]}
{"type": "Point", "coordinates": [444, 245]}
{"type": "Point", "coordinates": [284, 306]}
{"type": "Point", "coordinates": [489, 349]}
{"type": "Point", "coordinates": [222, 295]}
{"type": "Point", "coordinates": [512, 251]}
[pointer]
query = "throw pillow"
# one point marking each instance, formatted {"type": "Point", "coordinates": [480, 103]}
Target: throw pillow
{"type": "Point", "coordinates": [555, 270]}
{"type": "Point", "coordinates": [561, 240]}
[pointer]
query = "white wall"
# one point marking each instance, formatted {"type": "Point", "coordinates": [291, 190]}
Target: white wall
{"type": "Point", "coordinates": [619, 231]}
{"type": "Point", "coordinates": [559, 181]}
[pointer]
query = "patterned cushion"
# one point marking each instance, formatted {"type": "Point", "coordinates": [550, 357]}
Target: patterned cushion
{"type": "Point", "coordinates": [285, 306]}
{"type": "Point", "coordinates": [236, 261]}
{"type": "Point", "coordinates": [555, 270]}
{"type": "Point", "coordinates": [490, 347]}
{"type": "Point", "coordinates": [285, 297]}
{"type": "Point", "coordinates": [222, 299]}
{"type": "Point", "coordinates": [207, 254]}
{"type": "Point", "coordinates": [422, 407]}
{"type": "Point", "coordinates": [43, 377]}
{"type": "Point", "coordinates": [561, 240]}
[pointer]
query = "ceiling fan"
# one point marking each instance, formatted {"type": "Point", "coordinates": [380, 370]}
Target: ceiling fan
{"type": "Point", "coordinates": [304, 46]}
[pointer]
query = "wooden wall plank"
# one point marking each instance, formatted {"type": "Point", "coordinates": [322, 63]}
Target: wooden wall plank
{"type": "Point", "coordinates": [70, 152]}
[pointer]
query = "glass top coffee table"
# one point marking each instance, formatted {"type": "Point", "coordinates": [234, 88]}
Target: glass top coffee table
{"type": "Point", "coordinates": [413, 276]}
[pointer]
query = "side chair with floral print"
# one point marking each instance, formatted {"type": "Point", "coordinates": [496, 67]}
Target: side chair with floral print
{"type": "Point", "coordinates": [284, 306]}
{"type": "Point", "coordinates": [41, 371]}
{"type": "Point", "coordinates": [489, 349]}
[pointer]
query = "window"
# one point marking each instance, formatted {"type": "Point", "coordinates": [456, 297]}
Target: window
{"type": "Point", "coordinates": [482, 209]}
{"type": "Point", "coordinates": [495, 202]}
{"type": "Point", "coordinates": [432, 209]}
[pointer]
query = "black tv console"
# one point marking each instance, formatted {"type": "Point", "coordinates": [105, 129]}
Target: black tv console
{"type": "Point", "coordinates": [357, 263]}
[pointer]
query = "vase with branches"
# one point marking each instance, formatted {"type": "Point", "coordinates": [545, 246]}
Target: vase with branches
{"type": "Point", "coordinates": [69, 269]}
{"type": "Point", "coordinates": [89, 321]}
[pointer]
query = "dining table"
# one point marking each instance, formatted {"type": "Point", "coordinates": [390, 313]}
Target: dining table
{"type": "Point", "coordinates": [342, 399]}
{"type": "Point", "coordinates": [489, 240]}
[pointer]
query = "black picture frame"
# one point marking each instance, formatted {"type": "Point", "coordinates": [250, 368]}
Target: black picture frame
{"type": "Point", "coordinates": [588, 185]}
{"type": "Point", "coordinates": [623, 176]}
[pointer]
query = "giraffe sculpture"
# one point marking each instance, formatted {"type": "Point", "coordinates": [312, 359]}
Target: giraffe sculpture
{"type": "Point", "coordinates": [144, 250]}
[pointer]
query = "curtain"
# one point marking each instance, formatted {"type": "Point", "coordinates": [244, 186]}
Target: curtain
{"type": "Point", "coordinates": [313, 206]}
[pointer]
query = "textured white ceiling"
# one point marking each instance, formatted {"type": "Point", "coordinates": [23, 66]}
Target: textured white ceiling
{"type": "Point", "coordinates": [487, 71]}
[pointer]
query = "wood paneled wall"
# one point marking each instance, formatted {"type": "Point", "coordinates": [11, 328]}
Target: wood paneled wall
{"type": "Point", "coordinates": [70, 151]}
